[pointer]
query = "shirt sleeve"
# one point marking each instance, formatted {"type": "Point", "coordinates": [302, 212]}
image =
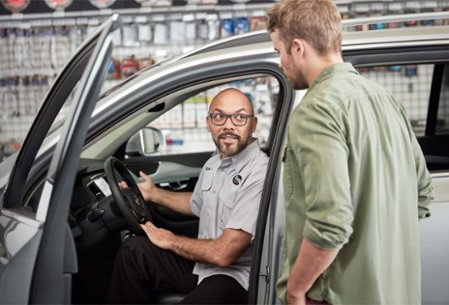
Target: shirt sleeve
{"type": "Point", "coordinates": [320, 147]}
{"type": "Point", "coordinates": [425, 188]}
{"type": "Point", "coordinates": [424, 180]}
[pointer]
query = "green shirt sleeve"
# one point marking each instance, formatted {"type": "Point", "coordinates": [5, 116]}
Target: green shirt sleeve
{"type": "Point", "coordinates": [425, 188]}
{"type": "Point", "coordinates": [321, 150]}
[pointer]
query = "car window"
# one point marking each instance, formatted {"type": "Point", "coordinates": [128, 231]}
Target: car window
{"type": "Point", "coordinates": [410, 84]}
{"type": "Point", "coordinates": [184, 126]}
{"type": "Point", "coordinates": [442, 127]}
{"type": "Point", "coordinates": [423, 89]}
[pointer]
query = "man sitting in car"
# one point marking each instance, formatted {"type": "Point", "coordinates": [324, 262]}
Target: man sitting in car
{"type": "Point", "coordinates": [215, 267]}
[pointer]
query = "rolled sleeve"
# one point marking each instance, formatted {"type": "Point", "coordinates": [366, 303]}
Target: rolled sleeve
{"type": "Point", "coordinates": [425, 188]}
{"type": "Point", "coordinates": [322, 153]}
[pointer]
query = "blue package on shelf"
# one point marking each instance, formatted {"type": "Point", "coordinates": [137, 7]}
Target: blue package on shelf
{"type": "Point", "coordinates": [227, 27]}
{"type": "Point", "coordinates": [241, 25]}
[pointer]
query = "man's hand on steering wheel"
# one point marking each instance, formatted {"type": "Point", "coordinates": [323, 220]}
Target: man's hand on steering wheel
{"type": "Point", "coordinates": [147, 187]}
{"type": "Point", "coordinates": [127, 194]}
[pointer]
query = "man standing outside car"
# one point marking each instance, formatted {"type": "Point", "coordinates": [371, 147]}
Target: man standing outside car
{"type": "Point", "coordinates": [355, 179]}
{"type": "Point", "coordinates": [213, 269]}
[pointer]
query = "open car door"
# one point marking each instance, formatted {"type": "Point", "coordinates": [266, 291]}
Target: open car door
{"type": "Point", "coordinates": [37, 253]}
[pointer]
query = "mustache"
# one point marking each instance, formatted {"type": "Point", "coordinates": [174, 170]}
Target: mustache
{"type": "Point", "coordinates": [229, 133]}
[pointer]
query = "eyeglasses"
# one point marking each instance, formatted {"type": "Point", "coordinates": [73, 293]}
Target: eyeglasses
{"type": "Point", "coordinates": [238, 119]}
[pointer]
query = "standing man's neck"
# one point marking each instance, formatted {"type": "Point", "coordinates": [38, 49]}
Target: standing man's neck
{"type": "Point", "coordinates": [321, 64]}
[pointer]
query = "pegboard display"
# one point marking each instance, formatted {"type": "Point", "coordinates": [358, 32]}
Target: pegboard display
{"type": "Point", "coordinates": [34, 50]}
{"type": "Point", "coordinates": [409, 84]}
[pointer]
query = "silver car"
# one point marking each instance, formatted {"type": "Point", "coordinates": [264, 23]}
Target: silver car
{"type": "Point", "coordinates": [62, 216]}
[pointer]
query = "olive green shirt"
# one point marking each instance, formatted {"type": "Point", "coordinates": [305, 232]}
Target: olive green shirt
{"type": "Point", "coordinates": [355, 180]}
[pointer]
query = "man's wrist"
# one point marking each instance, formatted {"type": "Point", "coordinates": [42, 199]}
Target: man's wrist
{"type": "Point", "coordinates": [153, 195]}
{"type": "Point", "coordinates": [174, 243]}
{"type": "Point", "coordinates": [295, 290]}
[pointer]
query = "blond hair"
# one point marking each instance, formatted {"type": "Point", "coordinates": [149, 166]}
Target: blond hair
{"type": "Point", "coordinates": [316, 21]}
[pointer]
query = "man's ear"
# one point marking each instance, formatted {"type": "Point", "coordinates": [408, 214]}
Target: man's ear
{"type": "Point", "coordinates": [254, 125]}
{"type": "Point", "coordinates": [297, 48]}
{"type": "Point", "coordinates": [207, 124]}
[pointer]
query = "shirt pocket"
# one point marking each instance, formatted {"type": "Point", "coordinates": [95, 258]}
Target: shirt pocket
{"type": "Point", "coordinates": [227, 203]}
{"type": "Point", "coordinates": [287, 176]}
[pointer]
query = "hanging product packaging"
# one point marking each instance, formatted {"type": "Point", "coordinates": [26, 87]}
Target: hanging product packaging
{"type": "Point", "coordinates": [15, 6]}
{"type": "Point", "coordinates": [58, 4]}
{"type": "Point", "coordinates": [227, 27]}
{"type": "Point", "coordinates": [129, 66]}
{"type": "Point", "coordinates": [241, 25]}
{"type": "Point", "coordinates": [102, 3]}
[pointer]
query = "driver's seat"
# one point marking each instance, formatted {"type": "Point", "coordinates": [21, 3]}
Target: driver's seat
{"type": "Point", "coordinates": [169, 297]}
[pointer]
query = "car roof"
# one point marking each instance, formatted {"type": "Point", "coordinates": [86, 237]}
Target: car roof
{"type": "Point", "coordinates": [387, 37]}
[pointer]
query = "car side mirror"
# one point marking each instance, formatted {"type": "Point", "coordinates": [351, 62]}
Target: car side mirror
{"type": "Point", "coordinates": [145, 142]}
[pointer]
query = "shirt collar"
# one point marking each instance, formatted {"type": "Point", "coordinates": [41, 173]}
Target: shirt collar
{"type": "Point", "coordinates": [333, 70]}
{"type": "Point", "coordinates": [240, 159]}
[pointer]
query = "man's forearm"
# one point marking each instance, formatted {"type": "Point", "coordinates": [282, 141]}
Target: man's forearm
{"type": "Point", "coordinates": [198, 250]}
{"type": "Point", "coordinates": [310, 264]}
{"type": "Point", "coordinates": [176, 201]}
{"type": "Point", "coordinates": [219, 252]}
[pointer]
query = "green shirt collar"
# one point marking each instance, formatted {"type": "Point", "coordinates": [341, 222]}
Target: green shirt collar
{"type": "Point", "coordinates": [333, 70]}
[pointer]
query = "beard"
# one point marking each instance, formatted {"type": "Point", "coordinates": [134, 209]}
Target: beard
{"type": "Point", "coordinates": [298, 80]}
{"type": "Point", "coordinates": [295, 75]}
{"type": "Point", "coordinates": [228, 150]}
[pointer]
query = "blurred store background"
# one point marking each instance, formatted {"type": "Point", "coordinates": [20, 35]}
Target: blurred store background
{"type": "Point", "coordinates": [37, 37]}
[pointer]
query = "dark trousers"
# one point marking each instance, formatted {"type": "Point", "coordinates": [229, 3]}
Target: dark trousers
{"type": "Point", "coordinates": [141, 269]}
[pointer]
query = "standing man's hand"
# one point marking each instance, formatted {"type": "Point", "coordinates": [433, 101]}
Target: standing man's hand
{"type": "Point", "coordinates": [160, 237]}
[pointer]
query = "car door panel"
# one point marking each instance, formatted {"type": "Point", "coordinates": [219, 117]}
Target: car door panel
{"type": "Point", "coordinates": [19, 244]}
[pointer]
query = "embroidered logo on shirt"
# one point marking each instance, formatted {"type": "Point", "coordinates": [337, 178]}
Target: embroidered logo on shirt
{"type": "Point", "coordinates": [237, 179]}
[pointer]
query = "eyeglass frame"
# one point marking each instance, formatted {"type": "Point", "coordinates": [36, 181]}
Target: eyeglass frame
{"type": "Point", "coordinates": [229, 116]}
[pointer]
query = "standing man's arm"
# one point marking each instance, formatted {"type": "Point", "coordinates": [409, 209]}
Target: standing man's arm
{"type": "Point", "coordinates": [322, 154]}
{"type": "Point", "coordinates": [309, 265]}
{"type": "Point", "coordinates": [425, 188]}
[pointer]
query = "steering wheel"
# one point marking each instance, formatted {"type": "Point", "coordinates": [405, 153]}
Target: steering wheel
{"type": "Point", "coordinates": [129, 200]}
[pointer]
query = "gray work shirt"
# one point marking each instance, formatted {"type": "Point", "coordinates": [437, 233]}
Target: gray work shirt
{"type": "Point", "coordinates": [228, 195]}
